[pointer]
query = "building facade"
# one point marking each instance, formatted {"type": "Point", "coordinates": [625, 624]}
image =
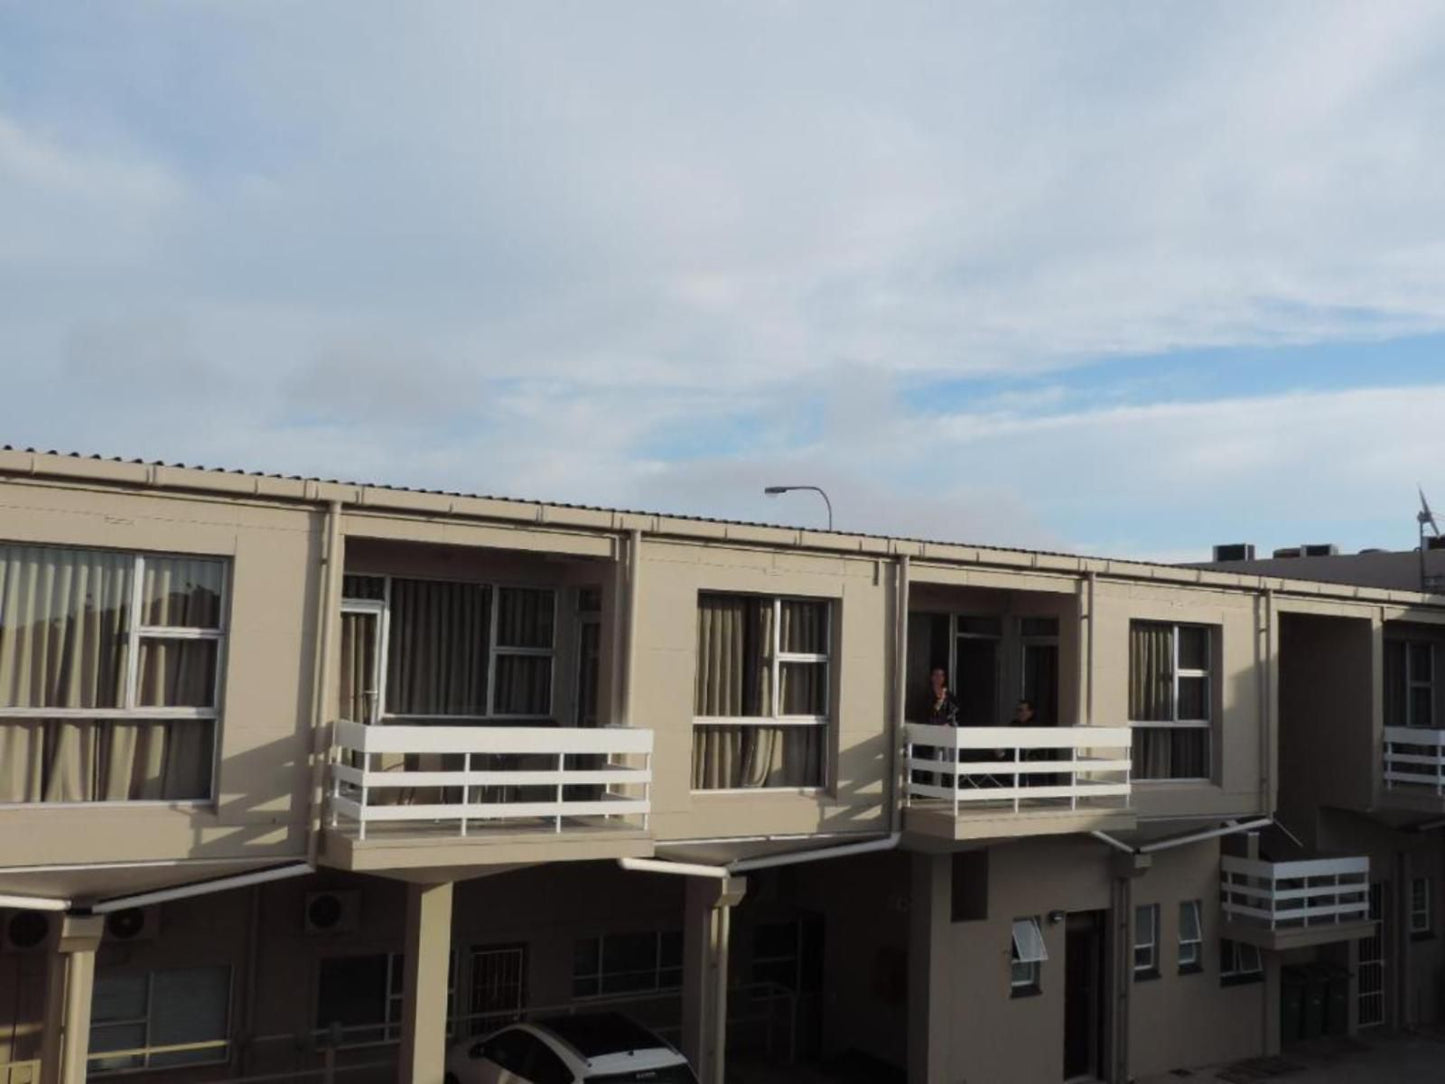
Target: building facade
{"type": "Point", "coordinates": [307, 779]}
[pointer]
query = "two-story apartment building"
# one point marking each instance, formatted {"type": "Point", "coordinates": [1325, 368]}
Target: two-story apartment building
{"type": "Point", "coordinates": [308, 778]}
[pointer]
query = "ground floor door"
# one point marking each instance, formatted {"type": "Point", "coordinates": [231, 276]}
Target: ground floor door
{"type": "Point", "coordinates": [1371, 971]}
{"type": "Point", "coordinates": [499, 986]}
{"type": "Point", "coordinates": [1084, 995]}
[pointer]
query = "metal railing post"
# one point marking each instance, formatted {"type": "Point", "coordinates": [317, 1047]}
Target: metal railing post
{"type": "Point", "coordinates": [561, 768]}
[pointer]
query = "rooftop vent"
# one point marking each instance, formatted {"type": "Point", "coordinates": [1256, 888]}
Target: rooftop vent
{"type": "Point", "coordinates": [1320, 549]}
{"type": "Point", "coordinates": [1234, 551]}
{"type": "Point", "coordinates": [1289, 551]}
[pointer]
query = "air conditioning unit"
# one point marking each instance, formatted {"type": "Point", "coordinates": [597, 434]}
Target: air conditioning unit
{"type": "Point", "coordinates": [1234, 551]}
{"type": "Point", "coordinates": [26, 931]}
{"type": "Point", "coordinates": [1288, 551]}
{"type": "Point", "coordinates": [1320, 549]}
{"type": "Point", "coordinates": [332, 912]}
{"type": "Point", "coordinates": [133, 924]}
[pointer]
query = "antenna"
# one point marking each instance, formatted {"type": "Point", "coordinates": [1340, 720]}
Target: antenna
{"type": "Point", "coordinates": [1425, 516]}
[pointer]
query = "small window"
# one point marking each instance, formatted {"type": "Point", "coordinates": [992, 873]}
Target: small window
{"type": "Point", "coordinates": [171, 1007]}
{"type": "Point", "coordinates": [1027, 956]}
{"type": "Point", "coordinates": [1169, 700]}
{"type": "Point", "coordinates": [1191, 938]}
{"type": "Point", "coordinates": [1421, 920]}
{"type": "Point", "coordinates": [625, 963]}
{"type": "Point", "coordinates": [1146, 941]}
{"type": "Point", "coordinates": [1238, 963]}
{"type": "Point", "coordinates": [363, 996]}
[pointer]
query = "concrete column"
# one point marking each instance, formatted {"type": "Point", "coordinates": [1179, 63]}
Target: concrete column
{"type": "Point", "coordinates": [706, 932]}
{"type": "Point", "coordinates": [70, 983]}
{"type": "Point", "coordinates": [1124, 869]}
{"type": "Point", "coordinates": [930, 977]}
{"type": "Point", "coordinates": [428, 955]}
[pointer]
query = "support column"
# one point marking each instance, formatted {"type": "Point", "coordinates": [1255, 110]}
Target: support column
{"type": "Point", "coordinates": [1125, 869]}
{"type": "Point", "coordinates": [930, 977]}
{"type": "Point", "coordinates": [428, 956]}
{"type": "Point", "coordinates": [70, 983]}
{"type": "Point", "coordinates": [706, 932]}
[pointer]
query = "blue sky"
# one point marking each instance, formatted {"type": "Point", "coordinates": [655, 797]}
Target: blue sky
{"type": "Point", "coordinates": [1129, 278]}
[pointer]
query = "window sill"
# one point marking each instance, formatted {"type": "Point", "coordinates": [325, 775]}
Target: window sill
{"type": "Point", "coordinates": [1146, 976]}
{"type": "Point", "coordinates": [1249, 979]}
{"type": "Point", "coordinates": [1192, 969]}
{"type": "Point", "coordinates": [800, 792]}
{"type": "Point", "coordinates": [1422, 935]}
{"type": "Point", "coordinates": [1016, 992]}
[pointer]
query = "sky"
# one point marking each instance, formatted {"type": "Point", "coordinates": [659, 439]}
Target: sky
{"type": "Point", "coordinates": [1118, 278]}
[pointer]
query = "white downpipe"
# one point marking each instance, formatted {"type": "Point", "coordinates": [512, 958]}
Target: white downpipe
{"type": "Point", "coordinates": [887, 843]}
{"type": "Point", "coordinates": [634, 592]}
{"type": "Point", "coordinates": [897, 786]}
{"type": "Point", "coordinates": [683, 869]}
{"type": "Point", "coordinates": [204, 888]}
{"type": "Point", "coordinates": [328, 611]}
{"type": "Point", "coordinates": [34, 903]}
{"type": "Point", "coordinates": [1117, 844]}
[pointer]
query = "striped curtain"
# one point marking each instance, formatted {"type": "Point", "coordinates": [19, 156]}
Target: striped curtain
{"type": "Point", "coordinates": [437, 648]}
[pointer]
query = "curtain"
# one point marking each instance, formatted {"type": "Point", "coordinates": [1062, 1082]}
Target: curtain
{"type": "Point", "coordinates": [722, 663]}
{"type": "Point", "coordinates": [437, 648]}
{"type": "Point", "coordinates": [524, 685]}
{"type": "Point", "coordinates": [182, 592]}
{"type": "Point", "coordinates": [736, 757]}
{"type": "Point", "coordinates": [524, 617]}
{"type": "Point", "coordinates": [357, 672]}
{"type": "Point", "coordinates": [105, 760]}
{"type": "Point", "coordinates": [1151, 672]}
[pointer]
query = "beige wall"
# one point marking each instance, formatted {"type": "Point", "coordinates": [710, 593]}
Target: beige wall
{"type": "Point", "coordinates": [266, 688]}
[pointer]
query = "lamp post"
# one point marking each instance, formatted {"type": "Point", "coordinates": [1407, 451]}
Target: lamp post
{"type": "Point", "coordinates": [773, 491]}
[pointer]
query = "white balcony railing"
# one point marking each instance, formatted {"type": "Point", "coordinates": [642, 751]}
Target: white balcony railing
{"type": "Point", "coordinates": [464, 776]}
{"type": "Point", "coordinates": [1034, 766]}
{"type": "Point", "coordinates": [1415, 756]}
{"type": "Point", "coordinates": [1285, 895]}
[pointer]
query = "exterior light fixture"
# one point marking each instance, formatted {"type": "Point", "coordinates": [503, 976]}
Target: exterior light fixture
{"type": "Point", "coordinates": [774, 491]}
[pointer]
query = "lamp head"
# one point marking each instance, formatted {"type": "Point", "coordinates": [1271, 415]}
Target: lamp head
{"type": "Point", "coordinates": [773, 491]}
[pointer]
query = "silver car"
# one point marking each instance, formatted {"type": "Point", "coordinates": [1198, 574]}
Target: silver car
{"type": "Point", "coordinates": [592, 1047]}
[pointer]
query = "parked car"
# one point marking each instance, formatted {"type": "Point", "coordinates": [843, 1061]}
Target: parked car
{"type": "Point", "coordinates": [599, 1048]}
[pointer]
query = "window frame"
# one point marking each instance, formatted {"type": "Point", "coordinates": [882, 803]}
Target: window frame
{"type": "Point", "coordinates": [382, 608]}
{"type": "Point", "coordinates": [130, 708]}
{"type": "Point", "coordinates": [1149, 970]}
{"type": "Point", "coordinates": [599, 975]}
{"type": "Point", "coordinates": [223, 1055]}
{"type": "Point", "coordinates": [1414, 681]}
{"type": "Point", "coordinates": [1232, 971]}
{"type": "Point", "coordinates": [1422, 916]}
{"type": "Point", "coordinates": [394, 998]}
{"type": "Point", "coordinates": [1194, 964]}
{"type": "Point", "coordinates": [1205, 724]}
{"type": "Point", "coordinates": [778, 658]}
{"type": "Point", "coordinates": [1026, 966]}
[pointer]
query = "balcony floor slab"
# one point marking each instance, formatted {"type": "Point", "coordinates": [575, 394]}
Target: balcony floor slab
{"type": "Point", "coordinates": [416, 846]}
{"type": "Point", "coordinates": [1284, 938]}
{"type": "Point", "coordinates": [984, 820]}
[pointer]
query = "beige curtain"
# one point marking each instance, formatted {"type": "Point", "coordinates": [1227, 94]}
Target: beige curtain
{"type": "Point", "coordinates": [524, 617]}
{"type": "Point", "coordinates": [105, 760]}
{"type": "Point", "coordinates": [736, 757]}
{"type": "Point", "coordinates": [357, 672]}
{"type": "Point", "coordinates": [182, 592]}
{"type": "Point", "coordinates": [437, 648]}
{"type": "Point", "coordinates": [524, 685]}
{"type": "Point", "coordinates": [1151, 693]}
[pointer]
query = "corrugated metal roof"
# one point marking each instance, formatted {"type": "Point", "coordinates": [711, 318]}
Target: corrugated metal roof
{"type": "Point", "coordinates": [558, 504]}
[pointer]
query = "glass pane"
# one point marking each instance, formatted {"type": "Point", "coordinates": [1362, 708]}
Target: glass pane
{"type": "Point", "coordinates": [739, 757]}
{"type": "Point", "coordinates": [1189, 954]}
{"type": "Point", "coordinates": [734, 638]}
{"type": "Point", "coordinates": [1249, 958]}
{"type": "Point", "coordinates": [524, 685]}
{"type": "Point", "coordinates": [357, 674]}
{"type": "Point", "coordinates": [118, 997]}
{"type": "Point", "coordinates": [1189, 921]}
{"type": "Point", "coordinates": [1420, 669]}
{"type": "Point", "coordinates": [117, 1037]}
{"type": "Point", "coordinates": [1021, 974]}
{"type": "Point", "coordinates": [1422, 706]}
{"type": "Point", "coordinates": [805, 627]}
{"type": "Point", "coordinates": [524, 617]}
{"type": "Point", "coordinates": [105, 760]}
{"type": "Point", "coordinates": [1039, 626]}
{"type": "Point", "coordinates": [1193, 647]}
{"type": "Point", "coordinates": [1193, 698]}
{"type": "Point", "coordinates": [63, 623]}
{"type": "Point", "coordinates": [182, 592]}
{"type": "Point", "coordinates": [672, 948]}
{"type": "Point", "coordinates": [1028, 940]}
{"type": "Point", "coordinates": [437, 648]}
{"type": "Point", "coordinates": [1144, 925]}
{"type": "Point", "coordinates": [365, 587]}
{"type": "Point", "coordinates": [1419, 894]}
{"type": "Point", "coordinates": [352, 991]}
{"type": "Point", "coordinates": [190, 1005]}
{"type": "Point", "coordinates": [177, 673]}
{"type": "Point", "coordinates": [805, 688]}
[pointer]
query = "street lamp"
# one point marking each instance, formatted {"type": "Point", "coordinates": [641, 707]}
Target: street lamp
{"type": "Point", "coordinates": [773, 491]}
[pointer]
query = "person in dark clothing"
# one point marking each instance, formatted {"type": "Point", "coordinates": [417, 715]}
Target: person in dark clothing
{"type": "Point", "coordinates": [942, 704]}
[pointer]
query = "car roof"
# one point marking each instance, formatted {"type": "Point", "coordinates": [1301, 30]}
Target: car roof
{"type": "Point", "coordinates": [599, 1034]}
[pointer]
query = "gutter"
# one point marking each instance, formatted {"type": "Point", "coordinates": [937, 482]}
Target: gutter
{"type": "Point", "coordinates": [745, 865]}
{"type": "Point", "coordinates": [203, 888]}
{"type": "Point", "coordinates": [34, 903]}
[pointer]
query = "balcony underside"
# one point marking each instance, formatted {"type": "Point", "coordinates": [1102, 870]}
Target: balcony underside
{"type": "Point", "coordinates": [987, 820]}
{"type": "Point", "coordinates": [1283, 938]}
{"type": "Point", "coordinates": [414, 846]}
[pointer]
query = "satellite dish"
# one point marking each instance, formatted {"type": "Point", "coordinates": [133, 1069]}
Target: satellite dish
{"type": "Point", "coordinates": [1425, 516]}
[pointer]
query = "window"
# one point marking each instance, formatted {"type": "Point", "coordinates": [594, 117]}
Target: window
{"type": "Point", "coordinates": [1039, 683]}
{"type": "Point", "coordinates": [761, 692]}
{"type": "Point", "coordinates": [789, 953]}
{"type": "Point", "coordinates": [1146, 941]}
{"type": "Point", "coordinates": [1191, 938]}
{"type": "Point", "coordinates": [144, 1010]}
{"type": "Point", "coordinates": [1238, 962]}
{"type": "Point", "coordinates": [448, 650]}
{"type": "Point", "coordinates": [109, 674]}
{"type": "Point", "coordinates": [1421, 921]}
{"type": "Point", "coordinates": [1169, 700]}
{"type": "Point", "coordinates": [627, 963]}
{"type": "Point", "coordinates": [363, 996]}
{"type": "Point", "coordinates": [1027, 955]}
{"type": "Point", "coordinates": [1410, 683]}
{"type": "Point", "coordinates": [526, 1057]}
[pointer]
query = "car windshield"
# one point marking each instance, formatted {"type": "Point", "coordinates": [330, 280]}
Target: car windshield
{"type": "Point", "coordinates": [668, 1074]}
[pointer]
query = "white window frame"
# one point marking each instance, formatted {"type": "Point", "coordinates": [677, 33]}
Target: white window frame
{"type": "Point", "coordinates": [1414, 681]}
{"type": "Point", "coordinates": [599, 974]}
{"type": "Point", "coordinates": [1027, 954]}
{"type": "Point", "coordinates": [1206, 724]}
{"type": "Point", "coordinates": [222, 1052]}
{"type": "Point", "coordinates": [1236, 952]}
{"type": "Point", "coordinates": [130, 707]}
{"type": "Point", "coordinates": [776, 719]}
{"type": "Point", "coordinates": [1151, 968]}
{"type": "Point", "coordinates": [1421, 915]}
{"type": "Point", "coordinates": [382, 607]}
{"type": "Point", "coordinates": [395, 1010]}
{"type": "Point", "coordinates": [1191, 949]}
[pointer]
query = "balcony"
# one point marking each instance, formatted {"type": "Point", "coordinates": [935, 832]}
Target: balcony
{"type": "Point", "coordinates": [1415, 763]}
{"type": "Point", "coordinates": [407, 797]}
{"type": "Point", "coordinates": [1285, 905]}
{"type": "Point", "coordinates": [991, 781]}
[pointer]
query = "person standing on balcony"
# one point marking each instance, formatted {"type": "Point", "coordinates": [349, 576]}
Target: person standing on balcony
{"type": "Point", "coordinates": [942, 711]}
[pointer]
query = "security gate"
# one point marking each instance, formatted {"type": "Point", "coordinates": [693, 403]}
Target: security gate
{"type": "Point", "coordinates": [1372, 964]}
{"type": "Point", "coordinates": [499, 986]}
